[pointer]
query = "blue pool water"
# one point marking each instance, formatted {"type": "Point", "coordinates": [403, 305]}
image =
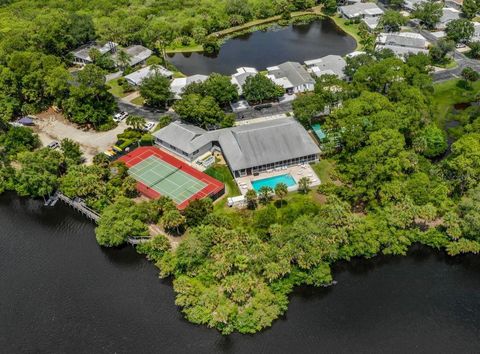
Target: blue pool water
{"type": "Point", "coordinates": [273, 181]}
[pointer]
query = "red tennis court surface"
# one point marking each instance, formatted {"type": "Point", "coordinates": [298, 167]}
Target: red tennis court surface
{"type": "Point", "coordinates": [159, 173]}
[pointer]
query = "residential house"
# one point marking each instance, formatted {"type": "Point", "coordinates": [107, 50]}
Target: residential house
{"type": "Point", "coordinates": [476, 33]}
{"type": "Point", "coordinates": [371, 22]}
{"type": "Point", "coordinates": [360, 10]}
{"type": "Point", "coordinates": [410, 5]}
{"type": "Point", "coordinates": [456, 4]}
{"type": "Point", "coordinates": [81, 55]}
{"type": "Point", "coordinates": [239, 78]}
{"type": "Point", "coordinates": [402, 43]}
{"type": "Point", "coordinates": [136, 78]}
{"type": "Point", "coordinates": [449, 14]}
{"type": "Point", "coordinates": [292, 76]}
{"type": "Point", "coordinates": [328, 65]}
{"type": "Point", "coordinates": [138, 55]}
{"type": "Point", "coordinates": [178, 85]}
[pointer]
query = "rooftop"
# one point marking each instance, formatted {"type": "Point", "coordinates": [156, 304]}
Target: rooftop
{"type": "Point", "coordinates": [137, 53]}
{"type": "Point", "coordinates": [403, 39]}
{"type": "Point", "coordinates": [246, 145]}
{"type": "Point", "coordinates": [83, 51]}
{"type": "Point", "coordinates": [290, 74]}
{"type": "Point", "coordinates": [449, 14]}
{"type": "Point", "coordinates": [179, 84]}
{"type": "Point", "coordinates": [361, 9]}
{"type": "Point", "coordinates": [330, 64]}
{"type": "Point", "coordinates": [138, 76]}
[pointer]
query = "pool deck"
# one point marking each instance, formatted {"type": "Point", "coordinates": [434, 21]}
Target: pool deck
{"type": "Point", "coordinates": [297, 172]}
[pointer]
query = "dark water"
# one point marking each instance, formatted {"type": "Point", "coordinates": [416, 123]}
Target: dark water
{"type": "Point", "coordinates": [61, 293]}
{"type": "Point", "coordinates": [262, 49]}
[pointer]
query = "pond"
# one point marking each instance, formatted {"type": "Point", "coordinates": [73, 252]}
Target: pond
{"type": "Point", "coordinates": [261, 49]}
{"type": "Point", "coordinates": [62, 293]}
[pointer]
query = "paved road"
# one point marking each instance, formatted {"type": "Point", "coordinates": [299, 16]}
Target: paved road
{"type": "Point", "coordinates": [147, 113]}
{"type": "Point", "coordinates": [276, 109]}
{"type": "Point", "coordinates": [462, 61]}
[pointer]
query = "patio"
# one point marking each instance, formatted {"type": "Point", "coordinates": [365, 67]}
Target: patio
{"type": "Point", "coordinates": [296, 171]}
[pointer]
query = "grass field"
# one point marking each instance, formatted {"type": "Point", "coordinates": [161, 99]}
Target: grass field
{"type": "Point", "coordinates": [324, 170]}
{"type": "Point", "coordinates": [351, 29]}
{"type": "Point", "coordinates": [138, 101]}
{"type": "Point", "coordinates": [223, 174]}
{"type": "Point", "coordinates": [115, 89]}
{"type": "Point", "coordinates": [447, 94]}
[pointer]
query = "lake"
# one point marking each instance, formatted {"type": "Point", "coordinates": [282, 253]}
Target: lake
{"type": "Point", "coordinates": [261, 49]}
{"type": "Point", "coordinates": [61, 293]}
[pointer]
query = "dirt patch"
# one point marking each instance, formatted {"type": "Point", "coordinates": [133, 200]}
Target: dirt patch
{"type": "Point", "coordinates": [174, 240]}
{"type": "Point", "coordinates": [51, 125]}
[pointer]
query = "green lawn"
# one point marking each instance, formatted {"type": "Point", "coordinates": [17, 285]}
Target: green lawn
{"type": "Point", "coordinates": [223, 174]}
{"type": "Point", "coordinates": [324, 170]}
{"type": "Point", "coordinates": [351, 29]}
{"type": "Point", "coordinates": [447, 94]}
{"type": "Point", "coordinates": [139, 101]}
{"type": "Point", "coordinates": [115, 89]}
{"type": "Point", "coordinates": [450, 65]}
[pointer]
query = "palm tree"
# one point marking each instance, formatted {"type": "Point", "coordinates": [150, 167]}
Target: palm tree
{"type": "Point", "coordinates": [304, 185]}
{"type": "Point", "coordinates": [281, 190]}
{"type": "Point", "coordinates": [136, 122]}
{"type": "Point", "coordinates": [251, 198]}
{"type": "Point", "coordinates": [173, 220]}
{"type": "Point", "coordinates": [123, 59]}
{"type": "Point", "coordinates": [264, 194]}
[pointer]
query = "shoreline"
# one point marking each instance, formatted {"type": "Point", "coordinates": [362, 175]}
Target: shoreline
{"type": "Point", "coordinates": [260, 25]}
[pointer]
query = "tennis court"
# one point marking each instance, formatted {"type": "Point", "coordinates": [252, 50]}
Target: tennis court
{"type": "Point", "coordinates": [159, 173]}
{"type": "Point", "coordinates": [166, 179]}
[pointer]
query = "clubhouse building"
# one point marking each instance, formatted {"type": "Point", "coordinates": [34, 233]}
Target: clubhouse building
{"type": "Point", "coordinates": [248, 149]}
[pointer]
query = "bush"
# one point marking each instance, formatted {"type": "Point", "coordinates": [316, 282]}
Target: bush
{"type": "Point", "coordinates": [147, 140]}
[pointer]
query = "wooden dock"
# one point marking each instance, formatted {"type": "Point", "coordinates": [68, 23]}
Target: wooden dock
{"type": "Point", "coordinates": [80, 206]}
{"type": "Point", "coordinates": [138, 240]}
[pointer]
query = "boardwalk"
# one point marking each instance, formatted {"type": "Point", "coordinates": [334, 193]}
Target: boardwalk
{"type": "Point", "coordinates": [79, 206]}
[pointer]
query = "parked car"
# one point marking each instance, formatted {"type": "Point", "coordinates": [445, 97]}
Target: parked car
{"type": "Point", "coordinates": [120, 116]}
{"type": "Point", "coordinates": [54, 145]}
{"type": "Point", "coordinates": [148, 126]}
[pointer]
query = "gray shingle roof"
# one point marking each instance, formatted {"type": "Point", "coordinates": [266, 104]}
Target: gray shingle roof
{"type": "Point", "coordinates": [293, 71]}
{"type": "Point", "coordinates": [248, 145]}
{"type": "Point", "coordinates": [361, 9]}
{"type": "Point", "coordinates": [403, 39]}
{"type": "Point", "coordinates": [83, 51]}
{"type": "Point", "coordinates": [330, 64]}
{"type": "Point", "coordinates": [137, 53]}
{"type": "Point", "coordinates": [138, 76]}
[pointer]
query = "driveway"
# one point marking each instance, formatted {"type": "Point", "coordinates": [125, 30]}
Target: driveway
{"type": "Point", "coordinates": [53, 126]}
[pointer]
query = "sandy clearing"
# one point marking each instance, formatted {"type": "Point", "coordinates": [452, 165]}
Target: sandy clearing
{"type": "Point", "coordinates": [50, 125]}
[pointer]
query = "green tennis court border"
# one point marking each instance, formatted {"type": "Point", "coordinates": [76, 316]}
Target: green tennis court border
{"type": "Point", "coordinates": [166, 179]}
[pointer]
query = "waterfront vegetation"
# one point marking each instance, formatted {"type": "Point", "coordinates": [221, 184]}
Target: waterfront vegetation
{"type": "Point", "coordinates": [390, 179]}
{"type": "Point", "coordinates": [389, 182]}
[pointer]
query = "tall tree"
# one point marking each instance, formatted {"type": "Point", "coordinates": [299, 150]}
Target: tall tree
{"type": "Point", "coordinates": [136, 122]}
{"type": "Point", "coordinates": [460, 31]}
{"type": "Point", "coordinates": [281, 190]}
{"type": "Point", "coordinates": [259, 88]}
{"type": "Point", "coordinates": [392, 20]}
{"type": "Point", "coordinates": [156, 90]}
{"type": "Point", "coordinates": [429, 13]}
{"type": "Point", "coordinates": [200, 111]}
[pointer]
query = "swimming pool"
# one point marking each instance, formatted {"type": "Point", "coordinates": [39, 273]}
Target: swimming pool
{"type": "Point", "coordinates": [273, 181]}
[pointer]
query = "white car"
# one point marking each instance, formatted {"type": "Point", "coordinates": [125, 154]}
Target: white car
{"type": "Point", "coordinates": [120, 116]}
{"type": "Point", "coordinates": [54, 145]}
{"type": "Point", "coordinates": [148, 126]}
